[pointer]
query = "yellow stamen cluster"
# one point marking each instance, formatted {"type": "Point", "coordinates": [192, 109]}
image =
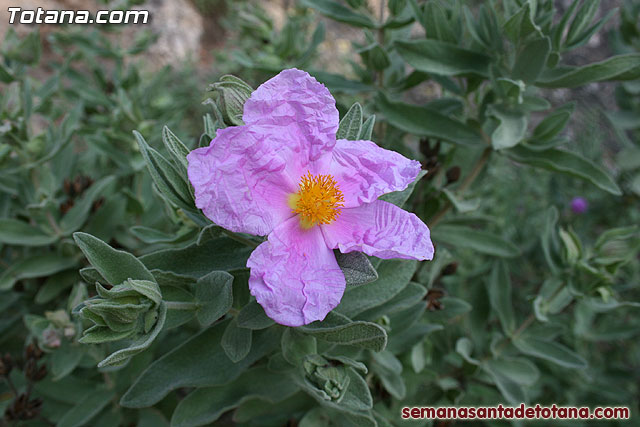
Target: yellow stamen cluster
{"type": "Point", "coordinates": [318, 200]}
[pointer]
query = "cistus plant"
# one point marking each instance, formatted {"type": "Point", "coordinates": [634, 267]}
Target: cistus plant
{"type": "Point", "coordinates": [157, 282]}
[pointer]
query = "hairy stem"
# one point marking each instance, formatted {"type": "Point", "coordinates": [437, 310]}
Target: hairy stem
{"type": "Point", "coordinates": [181, 305]}
{"type": "Point", "coordinates": [240, 239]}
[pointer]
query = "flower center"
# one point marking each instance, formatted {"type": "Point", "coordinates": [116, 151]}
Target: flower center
{"type": "Point", "coordinates": [318, 200]}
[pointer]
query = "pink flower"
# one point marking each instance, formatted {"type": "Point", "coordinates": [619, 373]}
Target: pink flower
{"type": "Point", "coordinates": [283, 174]}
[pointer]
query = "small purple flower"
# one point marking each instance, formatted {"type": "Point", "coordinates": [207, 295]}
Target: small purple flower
{"type": "Point", "coordinates": [283, 174]}
{"type": "Point", "coordinates": [579, 205]}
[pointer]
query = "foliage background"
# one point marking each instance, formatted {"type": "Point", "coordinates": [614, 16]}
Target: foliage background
{"type": "Point", "coordinates": [526, 300]}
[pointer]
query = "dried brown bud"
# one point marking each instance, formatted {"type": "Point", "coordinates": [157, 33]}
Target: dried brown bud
{"type": "Point", "coordinates": [453, 174]}
{"type": "Point", "coordinates": [23, 409]}
{"type": "Point", "coordinates": [40, 374]}
{"type": "Point", "coordinates": [427, 150]}
{"type": "Point", "coordinates": [66, 186]}
{"type": "Point", "coordinates": [433, 299]}
{"type": "Point", "coordinates": [30, 368]}
{"type": "Point", "coordinates": [6, 364]}
{"type": "Point", "coordinates": [66, 205]}
{"type": "Point", "coordinates": [33, 351]}
{"type": "Point", "coordinates": [450, 269]}
{"type": "Point", "coordinates": [97, 204]}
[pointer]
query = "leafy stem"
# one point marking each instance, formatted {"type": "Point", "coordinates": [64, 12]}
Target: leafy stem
{"type": "Point", "coordinates": [525, 324]}
{"type": "Point", "coordinates": [475, 171]}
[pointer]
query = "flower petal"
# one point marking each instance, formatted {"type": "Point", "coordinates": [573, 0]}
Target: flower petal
{"type": "Point", "coordinates": [294, 97]}
{"type": "Point", "coordinates": [294, 276]}
{"type": "Point", "coordinates": [380, 229]}
{"type": "Point", "coordinates": [365, 171]}
{"type": "Point", "coordinates": [243, 178]}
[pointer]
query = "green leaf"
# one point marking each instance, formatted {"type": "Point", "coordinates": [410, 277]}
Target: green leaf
{"type": "Point", "coordinates": [436, 23]}
{"type": "Point", "coordinates": [621, 67]}
{"type": "Point", "coordinates": [358, 396]}
{"type": "Point", "coordinates": [580, 38]}
{"type": "Point", "coordinates": [393, 276]}
{"type": "Point", "coordinates": [148, 288]}
{"type": "Point", "coordinates": [152, 236]}
{"type": "Point", "coordinates": [582, 20]}
{"type": "Point", "coordinates": [462, 206]}
{"type": "Point", "coordinates": [389, 369]}
{"type": "Point", "coordinates": [102, 334]}
{"type": "Point", "coordinates": [5, 75]}
{"type": "Point", "coordinates": [296, 346]}
{"type": "Point", "coordinates": [553, 124]}
{"type": "Point", "coordinates": [190, 365]}
{"type": "Point", "coordinates": [568, 163]}
{"type": "Point", "coordinates": [199, 260]}
{"type": "Point", "coordinates": [520, 24]}
{"type": "Point", "coordinates": [350, 124]}
{"type": "Point", "coordinates": [178, 150]}
{"type": "Point", "coordinates": [499, 289]}
{"type": "Point", "coordinates": [78, 214]}
{"type": "Point", "coordinates": [340, 13]}
{"type": "Point", "coordinates": [55, 285]}
{"type": "Point", "coordinates": [356, 267]}
{"type": "Point", "coordinates": [214, 296]}
{"type": "Point", "coordinates": [478, 240]}
{"type": "Point", "coordinates": [252, 316]}
{"type": "Point", "coordinates": [374, 56]}
{"type": "Point", "coordinates": [423, 121]}
{"type": "Point", "coordinates": [114, 265]}
{"type": "Point", "coordinates": [445, 59]}
{"type": "Point", "coordinates": [339, 329]}
{"type": "Point", "coordinates": [139, 344]}
{"type": "Point", "coordinates": [14, 232]}
{"type": "Point", "coordinates": [464, 347]}
{"type": "Point", "coordinates": [511, 390]}
{"type": "Point", "coordinates": [34, 266]}
{"type": "Point", "coordinates": [406, 298]}
{"type": "Point", "coordinates": [549, 350]}
{"type": "Point", "coordinates": [521, 371]}
{"type": "Point", "coordinates": [206, 405]}
{"type": "Point", "coordinates": [366, 131]}
{"type": "Point", "coordinates": [65, 359]}
{"type": "Point", "coordinates": [169, 181]}
{"type": "Point", "coordinates": [511, 130]}
{"type": "Point", "coordinates": [531, 60]}
{"type": "Point", "coordinates": [236, 341]}
{"type": "Point", "coordinates": [559, 30]}
{"type": "Point", "coordinates": [86, 408]}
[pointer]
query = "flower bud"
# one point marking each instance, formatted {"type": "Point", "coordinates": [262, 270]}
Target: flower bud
{"type": "Point", "coordinates": [124, 311]}
{"type": "Point", "coordinates": [450, 269]}
{"type": "Point", "coordinates": [329, 379]}
{"type": "Point", "coordinates": [6, 365]}
{"type": "Point", "coordinates": [51, 338]}
{"type": "Point", "coordinates": [453, 174]}
{"type": "Point", "coordinates": [232, 94]}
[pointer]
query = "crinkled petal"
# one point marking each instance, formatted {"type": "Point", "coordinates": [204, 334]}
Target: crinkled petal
{"type": "Point", "coordinates": [243, 178]}
{"type": "Point", "coordinates": [294, 276]}
{"type": "Point", "coordinates": [380, 229]}
{"type": "Point", "coordinates": [364, 171]}
{"type": "Point", "coordinates": [294, 97]}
